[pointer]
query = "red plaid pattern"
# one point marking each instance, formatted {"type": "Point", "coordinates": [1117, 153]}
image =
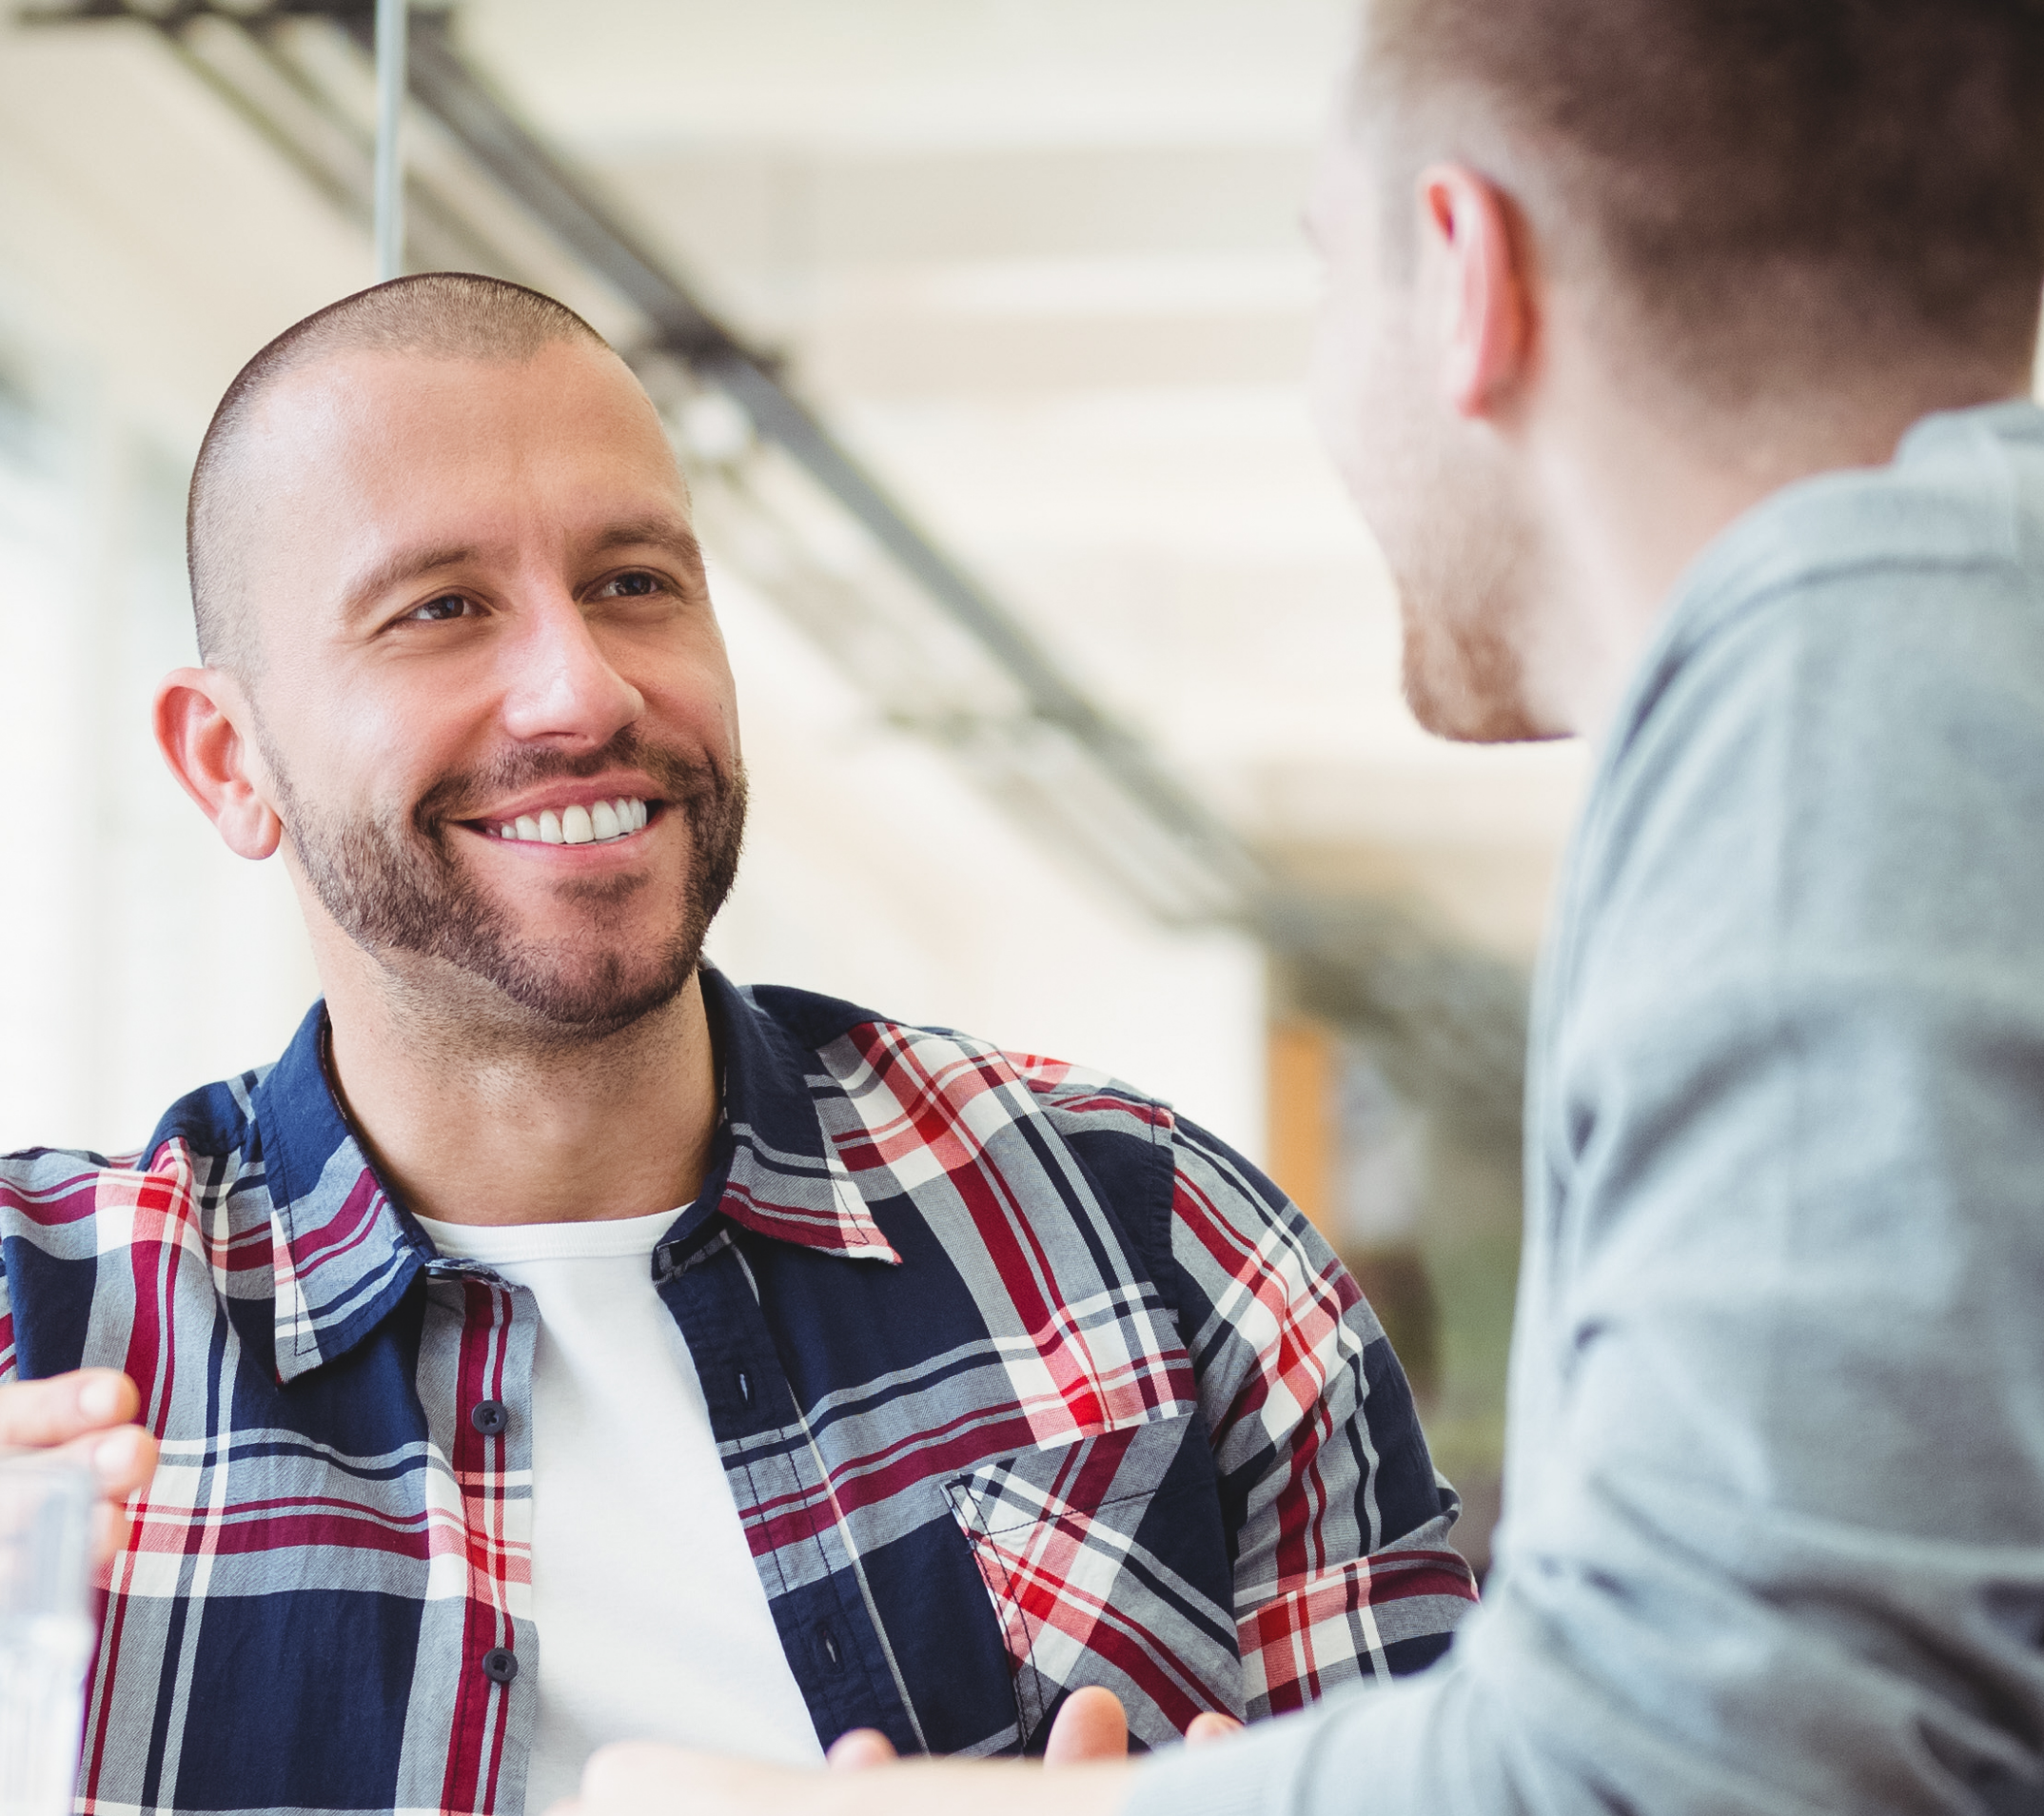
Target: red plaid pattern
{"type": "Point", "coordinates": [1059, 1541]}
{"type": "Point", "coordinates": [1300, 1645]}
{"type": "Point", "coordinates": [1021, 1384]}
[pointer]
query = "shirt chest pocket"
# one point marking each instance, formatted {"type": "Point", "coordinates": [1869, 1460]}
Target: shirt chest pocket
{"type": "Point", "coordinates": [1107, 1563]}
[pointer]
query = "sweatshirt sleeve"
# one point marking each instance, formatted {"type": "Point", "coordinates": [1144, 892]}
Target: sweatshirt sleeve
{"type": "Point", "coordinates": [1774, 1534]}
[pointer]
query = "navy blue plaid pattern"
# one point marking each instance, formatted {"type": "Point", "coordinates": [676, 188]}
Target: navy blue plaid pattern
{"type": "Point", "coordinates": [1021, 1383]}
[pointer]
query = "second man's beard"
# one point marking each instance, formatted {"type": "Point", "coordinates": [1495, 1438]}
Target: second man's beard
{"type": "Point", "coordinates": [1464, 679]}
{"type": "Point", "coordinates": [394, 885]}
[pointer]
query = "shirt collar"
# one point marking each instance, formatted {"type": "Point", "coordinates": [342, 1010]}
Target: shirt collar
{"type": "Point", "coordinates": [774, 1171]}
{"type": "Point", "coordinates": [345, 1250]}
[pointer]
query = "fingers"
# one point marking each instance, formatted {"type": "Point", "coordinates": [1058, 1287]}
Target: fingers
{"type": "Point", "coordinates": [1090, 1725]}
{"type": "Point", "coordinates": [83, 1417]}
{"type": "Point", "coordinates": [39, 1416]}
{"type": "Point", "coordinates": [862, 1747]}
{"type": "Point", "coordinates": [121, 1461]}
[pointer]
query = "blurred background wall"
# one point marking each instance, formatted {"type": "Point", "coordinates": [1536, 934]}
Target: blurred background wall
{"type": "Point", "coordinates": [1038, 264]}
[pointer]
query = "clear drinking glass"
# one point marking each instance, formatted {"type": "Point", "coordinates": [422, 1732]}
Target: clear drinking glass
{"type": "Point", "coordinates": [46, 1633]}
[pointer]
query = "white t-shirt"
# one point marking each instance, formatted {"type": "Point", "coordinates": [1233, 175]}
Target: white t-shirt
{"type": "Point", "coordinates": [652, 1619]}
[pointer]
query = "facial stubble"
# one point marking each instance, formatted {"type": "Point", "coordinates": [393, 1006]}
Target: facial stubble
{"type": "Point", "coordinates": [395, 884]}
{"type": "Point", "coordinates": [1462, 554]}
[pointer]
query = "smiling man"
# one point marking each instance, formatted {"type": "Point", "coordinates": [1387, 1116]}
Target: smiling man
{"type": "Point", "coordinates": [560, 1344]}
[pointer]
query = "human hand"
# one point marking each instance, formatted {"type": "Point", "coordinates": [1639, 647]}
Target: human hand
{"type": "Point", "coordinates": [1090, 1739]}
{"type": "Point", "coordinates": [642, 1778]}
{"type": "Point", "coordinates": [1090, 1725]}
{"type": "Point", "coordinates": [86, 1416]}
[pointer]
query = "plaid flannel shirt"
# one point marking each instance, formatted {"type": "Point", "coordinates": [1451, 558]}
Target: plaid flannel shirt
{"type": "Point", "coordinates": [1020, 1382]}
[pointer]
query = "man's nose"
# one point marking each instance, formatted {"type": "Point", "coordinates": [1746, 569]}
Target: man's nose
{"type": "Point", "coordinates": [561, 684]}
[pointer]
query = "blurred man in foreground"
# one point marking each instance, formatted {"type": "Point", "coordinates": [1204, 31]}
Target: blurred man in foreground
{"type": "Point", "coordinates": [1677, 351]}
{"type": "Point", "coordinates": [560, 1343]}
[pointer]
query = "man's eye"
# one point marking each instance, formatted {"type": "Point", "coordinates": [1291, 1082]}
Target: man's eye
{"type": "Point", "coordinates": [438, 611]}
{"type": "Point", "coordinates": [634, 585]}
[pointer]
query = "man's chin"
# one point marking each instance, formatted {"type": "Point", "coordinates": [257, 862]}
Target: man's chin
{"type": "Point", "coordinates": [1454, 714]}
{"type": "Point", "coordinates": [568, 996]}
{"type": "Point", "coordinates": [581, 961]}
{"type": "Point", "coordinates": [550, 992]}
{"type": "Point", "coordinates": [1467, 684]}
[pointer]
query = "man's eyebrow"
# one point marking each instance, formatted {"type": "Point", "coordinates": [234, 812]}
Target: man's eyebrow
{"type": "Point", "coordinates": [398, 567]}
{"type": "Point", "coordinates": [669, 533]}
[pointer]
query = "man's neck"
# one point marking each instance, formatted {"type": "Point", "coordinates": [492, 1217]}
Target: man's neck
{"type": "Point", "coordinates": [1632, 494]}
{"type": "Point", "coordinates": [539, 1133]}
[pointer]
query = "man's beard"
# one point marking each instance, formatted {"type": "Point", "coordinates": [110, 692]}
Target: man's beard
{"type": "Point", "coordinates": [1462, 548]}
{"type": "Point", "coordinates": [1466, 566]}
{"type": "Point", "coordinates": [1464, 671]}
{"type": "Point", "coordinates": [394, 885]}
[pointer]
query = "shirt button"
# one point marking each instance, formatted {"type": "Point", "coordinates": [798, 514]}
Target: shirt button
{"type": "Point", "coordinates": [500, 1664]}
{"type": "Point", "coordinates": [489, 1416]}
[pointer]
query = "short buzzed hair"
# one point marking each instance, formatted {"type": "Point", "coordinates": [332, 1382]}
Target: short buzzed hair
{"type": "Point", "coordinates": [437, 315]}
{"type": "Point", "coordinates": [1776, 190]}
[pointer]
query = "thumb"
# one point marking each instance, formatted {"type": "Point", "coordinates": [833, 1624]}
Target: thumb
{"type": "Point", "coordinates": [1090, 1725]}
{"type": "Point", "coordinates": [857, 1749]}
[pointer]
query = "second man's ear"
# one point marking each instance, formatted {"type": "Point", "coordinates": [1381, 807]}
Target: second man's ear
{"type": "Point", "coordinates": [1486, 327]}
{"type": "Point", "coordinates": [197, 718]}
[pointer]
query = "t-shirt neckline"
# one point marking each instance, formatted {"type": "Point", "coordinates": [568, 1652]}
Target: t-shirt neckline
{"type": "Point", "coordinates": [591, 1239]}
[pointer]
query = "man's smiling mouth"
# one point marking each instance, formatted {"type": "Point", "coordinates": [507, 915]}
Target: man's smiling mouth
{"type": "Point", "coordinates": [596, 824]}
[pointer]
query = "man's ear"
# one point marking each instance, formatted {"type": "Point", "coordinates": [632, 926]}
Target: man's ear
{"type": "Point", "coordinates": [199, 717]}
{"type": "Point", "coordinates": [1469, 233]}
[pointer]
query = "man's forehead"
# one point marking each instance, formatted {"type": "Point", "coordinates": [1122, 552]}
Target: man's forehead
{"type": "Point", "coordinates": [362, 457]}
{"type": "Point", "coordinates": [402, 433]}
{"type": "Point", "coordinates": [354, 391]}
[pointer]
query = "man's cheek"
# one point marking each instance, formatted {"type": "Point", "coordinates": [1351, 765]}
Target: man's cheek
{"type": "Point", "coordinates": [1337, 403]}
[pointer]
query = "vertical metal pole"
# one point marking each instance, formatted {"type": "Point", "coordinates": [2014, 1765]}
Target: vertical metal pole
{"type": "Point", "coordinates": [390, 87]}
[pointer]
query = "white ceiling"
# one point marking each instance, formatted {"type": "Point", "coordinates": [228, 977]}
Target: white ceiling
{"type": "Point", "coordinates": [925, 76]}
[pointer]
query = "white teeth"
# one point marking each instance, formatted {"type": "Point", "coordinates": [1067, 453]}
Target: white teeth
{"type": "Point", "coordinates": [592, 825]}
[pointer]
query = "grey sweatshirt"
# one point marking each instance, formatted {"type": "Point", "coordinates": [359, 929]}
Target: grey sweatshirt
{"type": "Point", "coordinates": [1774, 1534]}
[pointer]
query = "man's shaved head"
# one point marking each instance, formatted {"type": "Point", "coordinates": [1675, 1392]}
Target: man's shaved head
{"type": "Point", "coordinates": [440, 315]}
